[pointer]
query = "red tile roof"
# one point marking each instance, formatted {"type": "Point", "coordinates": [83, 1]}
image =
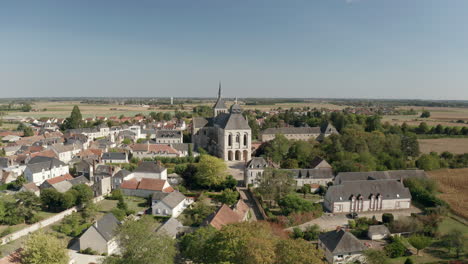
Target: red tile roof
{"type": "Point", "coordinates": [130, 184]}
{"type": "Point", "coordinates": [151, 184]}
{"type": "Point", "coordinates": [58, 179]}
{"type": "Point", "coordinates": [46, 153]}
{"type": "Point", "coordinates": [224, 216]}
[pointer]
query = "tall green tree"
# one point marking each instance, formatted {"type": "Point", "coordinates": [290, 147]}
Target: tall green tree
{"type": "Point", "coordinates": [42, 248]}
{"type": "Point", "coordinates": [419, 242]}
{"type": "Point", "coordinates": [75, 120]}
{"type": "Point", "coordinates": [141, 245]}
{"type": "Point", "coordinates": [210, 171]}
{"type": "Point", "coordinates": [275, 184]}
{"type": "Point", "coordinates": [374, 256]}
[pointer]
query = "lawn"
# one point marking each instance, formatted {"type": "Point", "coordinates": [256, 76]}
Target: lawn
{"type": "Point", "coordinates": [436, 254]}
{"type": "Point", "coordinates": [137, 204]}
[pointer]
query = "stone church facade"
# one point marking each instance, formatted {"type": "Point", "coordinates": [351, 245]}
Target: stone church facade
{"type": "Point", "coordinates": [226, 135]}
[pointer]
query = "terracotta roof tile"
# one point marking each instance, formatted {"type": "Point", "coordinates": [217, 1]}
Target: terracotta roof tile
{"type": "Point", "coordinates": [151, 184]}
{"type": "Point", "coordinates": [129, 184]}
{"type": "Point", "coordinates": [224, 216]}
{"type": "Point", "coordinates": [58, 179]}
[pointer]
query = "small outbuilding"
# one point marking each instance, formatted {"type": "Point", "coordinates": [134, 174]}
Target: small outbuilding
{"type": "Point", "coordinates": [377, 232]}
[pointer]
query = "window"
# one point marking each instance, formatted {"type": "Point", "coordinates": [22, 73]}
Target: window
{"type": "Point", "coordinates": [245, 139]}
{"type": "Point", "coordinates": [237, 138]}
{"type": "Point", "coordinates": [230, 140]}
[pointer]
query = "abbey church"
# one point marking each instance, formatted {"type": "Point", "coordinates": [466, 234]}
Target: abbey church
{"type": "Point", "coordinates": [226, 135]}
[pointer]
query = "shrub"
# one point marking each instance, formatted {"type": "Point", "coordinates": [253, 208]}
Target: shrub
{"type": "Point", "coordinates": [88, 251]}
{"type": "Point", "coordinates": [387, 218]}
{"type": "Point", "coordinates": [396, 248]}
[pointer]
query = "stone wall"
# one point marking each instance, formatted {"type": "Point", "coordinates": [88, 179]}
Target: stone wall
{"type": "Point", "coordinates": [41, 224]}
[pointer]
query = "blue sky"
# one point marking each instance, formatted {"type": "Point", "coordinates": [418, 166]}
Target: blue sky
{"type": "Point", "coordinates": [271, 48]}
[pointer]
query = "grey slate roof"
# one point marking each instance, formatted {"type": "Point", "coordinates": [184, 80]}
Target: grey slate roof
{"type": "Point", "coordinates": [173, 199]}
{"type": "Point", "coordinates": [168, 134]}
{"type": "Point", "coordinates": [158, 196]}
{"type": "Point", "coordinates": [3, 162]}
{"type": "Point", "coordinates": [79, 180]}
{"type": "Point", "coordinates": [378, 230]}
{"type": "Point", "coordinates": [341, 242]}
{"type": "Point", "coordinates": [171, 227]}
{"type": "Point", "coordinates": [379, 175]}
{"type": "Point", "coordinates": [291, 130]}
{"type": "Point", "coordinates": [311, 173]}
{"type": "Point", "coordinates": [62, 186]}
{"type": "Point", "coordinates": [38, 163]}
{"type": "Point", "coordinates": [329, 129]}
{"type": "Point", "coordinates": [122, 174]}
{"type": "Point", "coordinates": [220, 104]}
{"type": "Point", "coordinates": [182, 146]}
{"type": "Point", "coordinates": [150, 167]}
{"type": "Point", "coordinates": [231, 121]}
{"type": "Point", "coordinates": [199, 122]}
{"type": "Point", "coordinates": [388, 189]}
{"type": "Point", "coordinates": [114, 156]}
{"type": "Point", "coordinates": [106, 226]}
{"type": "Point", "coordinates": [257, 163]}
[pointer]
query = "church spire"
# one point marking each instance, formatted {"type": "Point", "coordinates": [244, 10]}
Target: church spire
{"type": "Point", "coordinates": [219, 91]}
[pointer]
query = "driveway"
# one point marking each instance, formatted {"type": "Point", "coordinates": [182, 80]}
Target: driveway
{"type": "Point", "coordinates": [236, 169]}
{"type": "Point", "coordinates": [329, 221]}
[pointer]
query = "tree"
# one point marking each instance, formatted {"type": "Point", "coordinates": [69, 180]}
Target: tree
{"type": "Point", "coordinates": [374, 256]}
{"type": "Point", "coordinates": [211, 171]}
{"type": "Point", "coordinates": [275, 184]}
{"type": "Point", "coordinates": [297, 251]}
{"type": "Point", "coordinates": [425, 114]}
{"type": "Point", "coordinates": [428, 162]}
{"type": "Point", "coordinates": [387, 218]}
{"type": "Point", "coordinates": [419, 242]}
{"type": "Point", "coordinates": [277, 149]}
{"type": "Point", "coordinates": [195, 215]}
{"type": "Point", "coordinates": [27, 205]}
{"type": "Point", "coordinates": [291, 203]}
{"type": "Point", "coordinates": [42, 248]}
{"type": "Point", "coordinates": [19, 182]}
{"type": "Point", "coordinates": [75, 120]}
{"type": "Point", "coordinates": [454, 240]}
{"type": "Point", "coordinates": [396, 248]}
{"type": "Point", "coordinates": [139, 244]}
{"type": "Point", "coordinates": [409, 261]}
{"type": "Point", "coordinates": [84, 194]}
{"type": "Point", "coordinates": [229, 197]}
{"type": "Point", "coordinates": [194, 246]}
{"type": "Point", "coordinates": [127, 141]}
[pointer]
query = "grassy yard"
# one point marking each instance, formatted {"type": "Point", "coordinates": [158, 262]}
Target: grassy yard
{"type": "Point", "coordinates": [136, 203]}
{"type": "Point", "coordinates": [435, 254]}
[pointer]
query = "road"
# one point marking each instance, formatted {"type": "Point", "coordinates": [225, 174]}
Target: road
{"type": "Point", "coordinates": [247, 197]}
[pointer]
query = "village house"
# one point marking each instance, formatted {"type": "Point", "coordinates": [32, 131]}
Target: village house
{"type": "Point", "coordinates": [100, 236]}
{"type": "Point", "coordinates": [298, 133]}
{"type": "Point", "coordinates": [378, 232]}
{"type": "Point", "coordinates": [320, 174]}
{"type": "Point", "coordinates": [145, 187]}
{"type": "Point", "coordinates": [169, 136]}
{"type": "Point", "coordinates": [171, 228]}
{"type": "Point", "coordinates": [41, 168]}
{"type": "Point", "coordinates": [114, 157]}
{"type": "Point", "coordinates": [150, 169]}
{"type": "Point", "coordinates": [225, 215]}
{"type": "Point", "coordinates": [59, 183]}
{"type": "Point", "coordinates": [226, 135]}
{"type": "Point", "coordinates": [362, 196]}
{"type": "Point", "coordinates": [147, 150]}
{"type": "Point", "coordinates": [399, 175]}
{"type": "Point", "coordinates": [341, 247]}
{"type": "Point", "coordinates": [169, 204]}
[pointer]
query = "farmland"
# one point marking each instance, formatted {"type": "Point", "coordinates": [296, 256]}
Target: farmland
{"type": "Point", "coordinates": [439, 145]}
{"type": "Point", "coordinates": [453, 185]}
{"type": "Point", "coordinates": [62, 109]}
{"type": "Point", "coordinates": [446, 116]}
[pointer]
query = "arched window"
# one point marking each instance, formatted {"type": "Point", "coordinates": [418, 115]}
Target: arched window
{"type": "Point", "coordinates": [237, 138]}
{"type": "Point", "coordinates": [230, 140]}
{"type": "Point", "coordinates": [245, 139]}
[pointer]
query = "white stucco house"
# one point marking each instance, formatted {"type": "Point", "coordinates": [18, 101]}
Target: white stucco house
{"type": "Point", "coordinates": [42, 168]}
{"type": "Point", "coordinates": [169, 204]}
